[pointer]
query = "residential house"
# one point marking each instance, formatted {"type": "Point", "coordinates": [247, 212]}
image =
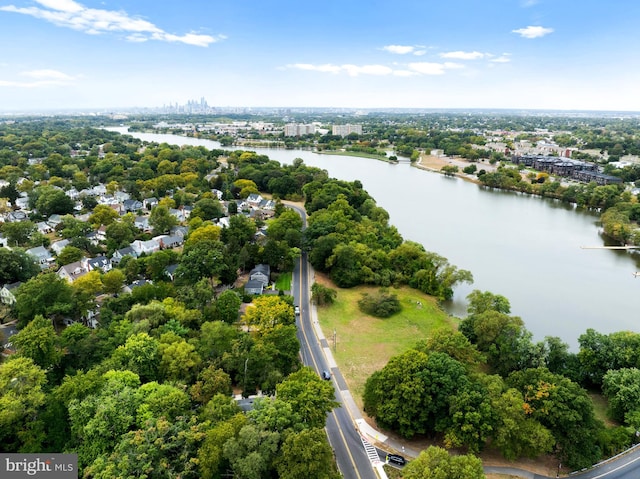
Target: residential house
{"type": "Point", "coordinates": [72, 271]}
{"type": "Point", "coordinates": [145, 247]}
{"type": "Point", "coordinates": [136, 284]}
{"type": "Point", "coordinates": [100, 263]}
{"type": "Point", "coordinates": [149, 203]}
{"type": "Point", "coordinates": [15, 216]}
{"type": "Point", "coordinates": [54, 220]}
{"type": "Point", "coordinates": [217, 193]}
{"type": "Point", "coordinates": [41, 255]}
{"type": "Point", "coordinates": [178, 213]}
{"type": "Point", "coordinates": [179, 231]}
{"type": "Point", "coordinates": [169, 242]}
{"type": "Point", "coordinates": [72, 193]}
{"type": "Point", "coordinates": [142, 223]}
{"type": "Point", "coordinates": [254, 199]}
{"type": "Point", "coordinates": [121, 253]}
{"type": "Point", "coordinates": [269, 205]}
{"type": "Point", "coordinates": [254, 286]}
{"type": "Point", "coordinates": [170, 271]}
{"type": "Point", "coordinates": [44, 228]}
{"type": "Point", "coordinates": [7, 293]}
{"type": "Point", "coordinates": [261, 273]}
{"type": "Point", "coordinates": [22, 203]}
{"type": "Point", "coordinates": [121, 196]}
{"type": "Point", "coordinates": [131, 205]}
{"type": "Point", "coordinates": [224, 222]}
{"type": "Point", "coordinates": [58, 246]}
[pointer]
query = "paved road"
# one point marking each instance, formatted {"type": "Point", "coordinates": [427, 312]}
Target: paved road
{"type": "Point", "coordinates": [350, 454]}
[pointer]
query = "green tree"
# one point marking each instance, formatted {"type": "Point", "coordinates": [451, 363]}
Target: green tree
{"type": "Point", "coordinates": [39, 342]}
{"type": "Point", "coordinates": [103, 215]}
{"type": "Point", "coordinates": [204, 259]}
{"type": "Point", "coordinates": [18, 232]}
{"type": "Point", "coordinates": [227, 306]}
{"type": "Point", "coordinates": [207, 209]}
{"type": "Point", "coordinates": [178, 359]}
{"type": "Point", "coordinates": [21, 397]}
{"type": "Point", "coordinates": [306, 454]}
{"type": "Point", "coordinates": [161, 449]}
{"type": "Point", "coordinates": [99, 420]}
{"type": "Point", "coordinates": [53, 201]}
{"type": "Point", "coordinates": [267, 312]}
{"type": "Point", "coordinates": [252, 452]}
{"type": "Point", "coordinates": [113, 281]}
{"type": "Point", "coordinates": [212, 461]}
{"type": "Point", "coordinates": [47, 295]}
{"type": "Point", "coordinates": [161, 220]}
{"type": "Point", "coordinates": [16, 265]}
{"type": "Point", "coordinates": [119, 235]}
{"type": "Point", "coordinates": [309, 395]}
{"type": "Point", "coordinates": [565, 409]}
{"type": "Point", "coordinates": [161, 401]}
{"type": "Point", "coordinates": [412, 394]}
{"type": "Point", "coordinates": [69, 254]}
{"type": "Point", "coordinates": [140, 354]}
{"type": "Point", "coordinates": [322, 295]}
{"type": "Point", "coordinates": [437, 463]}
{"type": "Point", "coordinates": [211, 381]}
{"type": "Point", "coordinates": [622, 388]}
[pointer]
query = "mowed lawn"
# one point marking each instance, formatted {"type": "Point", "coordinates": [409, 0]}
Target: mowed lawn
{"type": "Point", "coordinates": [364, 343]}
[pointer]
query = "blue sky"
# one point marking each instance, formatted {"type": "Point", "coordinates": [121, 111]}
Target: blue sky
{"type": "Point", "coordinates": [531, 54]}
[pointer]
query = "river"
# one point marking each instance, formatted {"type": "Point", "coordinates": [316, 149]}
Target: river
{"type": "Point", "coordinates": [525, 248]}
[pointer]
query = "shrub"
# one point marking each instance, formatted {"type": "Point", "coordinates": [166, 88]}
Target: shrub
{"type": "Point", "coordinates": [381, 304]}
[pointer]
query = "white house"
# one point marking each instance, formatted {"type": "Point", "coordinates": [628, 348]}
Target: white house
{"type": "Point", "coordinates": [146, 247]}
{"type": "Point", "coordinates": [72, 271]}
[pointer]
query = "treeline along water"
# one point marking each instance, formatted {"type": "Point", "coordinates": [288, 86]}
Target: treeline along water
{"type": "Point", "coordinates": [523, 247]}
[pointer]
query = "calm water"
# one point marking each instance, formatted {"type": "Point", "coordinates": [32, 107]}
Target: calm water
{"type": "Point", "coordinates": [525, 248]}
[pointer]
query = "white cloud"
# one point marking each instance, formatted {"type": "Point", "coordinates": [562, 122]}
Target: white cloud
{"type": "Point", "coordinates": [460, 55]}
{"type": "Point", "coordinates": [70, 14]}
{"type": "Point", "coordinates": [405, 49]}
{"type": "Point", "coordinates": [39, 78]}
{"type": "Point", "coordinates": [349, 69]}
{"type": "Point", "coordinates": [504, 58]}
{"type": "Point", "coordinates": [47, 75]}
{"type": "Point", "coordinates": [412, 69]}
{"type": "Point", "coordinates": [427, 68]}
{"type": "Point", "coordinates": [533, 32]}
{"type": "Point", "coordinates": [528, 3]}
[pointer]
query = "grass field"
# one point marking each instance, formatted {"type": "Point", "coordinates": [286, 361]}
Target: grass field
{"type": "Point", "coordinates": [284, 282]}
{"type": "Point", "coordinates": [364, 344]}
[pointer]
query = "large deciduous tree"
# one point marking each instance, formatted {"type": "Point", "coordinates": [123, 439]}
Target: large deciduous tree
{"type": "Point", "coordinates": [16, 265]}
{"type": "Point", "coordinates": [437, 463]}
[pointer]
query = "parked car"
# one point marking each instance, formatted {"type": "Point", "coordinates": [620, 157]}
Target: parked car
{"type": "Point", "coordinates": [326, 375]}
{"type": "Point", "coordinates": [297, 310]}
{"type": "Point", "coordinates": [396, 459]}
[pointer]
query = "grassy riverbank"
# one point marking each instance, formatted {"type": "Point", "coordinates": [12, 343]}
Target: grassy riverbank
{"type": "Point", "coordinates": [365, 344]}
{"type": "Point", "coordinates": [357, 154]}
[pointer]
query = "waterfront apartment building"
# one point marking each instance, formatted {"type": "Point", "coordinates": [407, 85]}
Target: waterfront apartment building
{"type": "Point", "coordinates": [345, 130]}
{"type": "Point", "coordinates": [298, 129]}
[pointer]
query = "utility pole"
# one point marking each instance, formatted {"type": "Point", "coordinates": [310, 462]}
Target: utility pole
{"type": "Point", "coordinates": [334, 340]}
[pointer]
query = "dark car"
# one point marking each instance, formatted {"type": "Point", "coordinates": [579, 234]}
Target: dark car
{"type": "Point", "coordinates": [396, 459]}
{"type": "Point", "coordinates": [326, 375]}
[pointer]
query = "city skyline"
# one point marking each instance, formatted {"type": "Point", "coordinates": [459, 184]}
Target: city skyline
{"type": "Point", "coordinates": [512, 54]}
